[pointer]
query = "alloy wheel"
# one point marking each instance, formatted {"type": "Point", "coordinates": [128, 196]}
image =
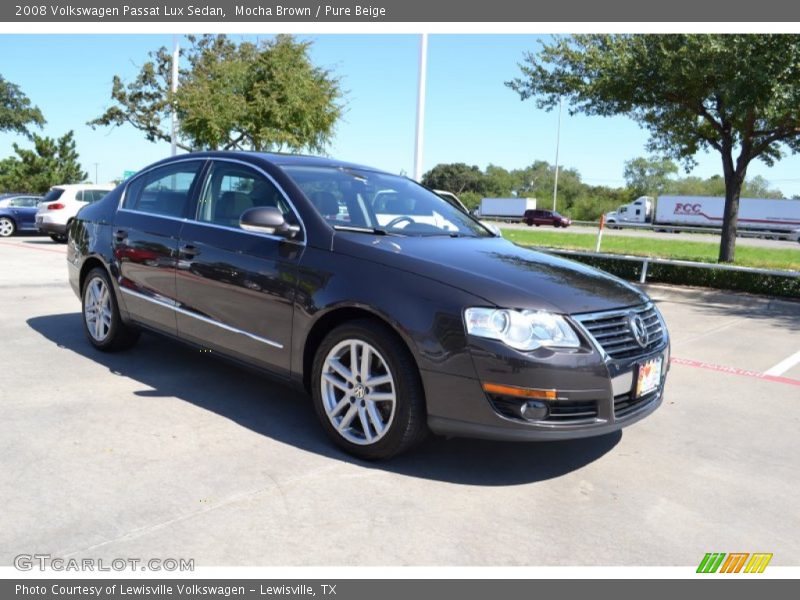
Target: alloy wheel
{"type": "Point", "coordinates": [6, 227]}
{"type": "Point", "coordinates": [358, 392]}
{"type": "Point", "coordinates": [97, 309]}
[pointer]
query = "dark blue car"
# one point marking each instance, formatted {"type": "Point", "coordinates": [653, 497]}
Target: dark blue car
{"type": "Point", "coordinates": [17, 213]}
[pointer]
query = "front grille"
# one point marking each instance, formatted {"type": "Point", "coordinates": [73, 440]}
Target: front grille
{"type": "Point", "coordinates": [559, 411]}
{"type": "Point", "coordinates": [572, 410]}
{"type": "Point", "coordinates": [612, 332]}
{"type": "Point", "coordinates": [626, 403]}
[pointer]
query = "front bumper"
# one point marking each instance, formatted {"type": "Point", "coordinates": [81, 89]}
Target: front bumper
{"type": "Point", "coordinates": [595, 394]}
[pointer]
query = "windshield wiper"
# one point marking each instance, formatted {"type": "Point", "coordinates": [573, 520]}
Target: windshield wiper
{"type": "Point", "coordinates": [373, 230]}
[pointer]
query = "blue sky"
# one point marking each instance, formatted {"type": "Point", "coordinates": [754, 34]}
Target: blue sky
{"type": "Point", "coordinates": [471, 116]}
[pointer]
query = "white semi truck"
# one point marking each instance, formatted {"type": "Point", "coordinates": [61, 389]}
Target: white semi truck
{"type": "Point", "coordinates": [505, 208]}
{"type": "Point", "coordinates": [706, 211]}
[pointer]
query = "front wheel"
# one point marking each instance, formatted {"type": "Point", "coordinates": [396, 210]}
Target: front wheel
{"type": "Point", "coordinates": [7, 227]}
{"type": "Point", "coordinates": [367, 391]}
{"type": "Point", "coordinates": [101, 321]}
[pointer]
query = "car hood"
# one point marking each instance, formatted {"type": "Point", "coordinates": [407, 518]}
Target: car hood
{"type": "Point", "coordinates": [497, 270]}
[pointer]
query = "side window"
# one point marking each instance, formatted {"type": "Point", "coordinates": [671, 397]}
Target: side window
{"type": "Point", "coordinates": [164, 191]}
{"type": "Point", "coordinates": [79, 196]}
{"type": "Point", "coordinates": [231, 189]}
{"type": "Point", "coordinates": [94, 195]}
{"type": "Point", "coordinates": [16, 202]}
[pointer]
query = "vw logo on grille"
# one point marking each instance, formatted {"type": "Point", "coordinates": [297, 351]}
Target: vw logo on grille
{"type": "Point", "coordinates": [638, 329]}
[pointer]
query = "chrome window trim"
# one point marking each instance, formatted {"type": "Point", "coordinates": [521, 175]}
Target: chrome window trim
{"type": "Point", "coordinates": [144, 172]}
{"type": "Point", "coordinates": [270, 236]}
{"type": "Point", "coordinates": [188, 313]}
{"type": "Point", "coordinates": [148, 214]}
{"type": "Point", "coordinates": [194, 219]}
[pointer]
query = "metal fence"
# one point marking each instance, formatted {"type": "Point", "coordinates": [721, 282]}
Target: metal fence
{"type": "Point", "coordinates": [646, 261]}
{"type": "Point", "coordinates": [745, 233]}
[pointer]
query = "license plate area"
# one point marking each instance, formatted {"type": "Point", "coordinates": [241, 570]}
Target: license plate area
{"type": "Point", "coordinates": [648, 376]}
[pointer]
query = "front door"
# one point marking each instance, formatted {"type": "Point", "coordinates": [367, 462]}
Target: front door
{"type": "Point", "coordinates": [235, 288]}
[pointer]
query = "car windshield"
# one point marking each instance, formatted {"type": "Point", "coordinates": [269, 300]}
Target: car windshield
{"type": "Point", "coordinates": [376, 202]}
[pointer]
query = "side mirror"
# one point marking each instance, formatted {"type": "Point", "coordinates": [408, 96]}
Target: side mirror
{"type": "Point", "coordinates": [265, 219]}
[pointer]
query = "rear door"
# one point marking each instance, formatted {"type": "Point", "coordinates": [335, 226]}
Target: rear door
{"type": "Point", "coordinates": [236, 288]}
{"type": "Point", "coordinates": [145, 240]}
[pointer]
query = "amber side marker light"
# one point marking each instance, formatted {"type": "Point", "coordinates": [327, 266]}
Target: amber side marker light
{"type": "Point", "coordinates": [520, 392]}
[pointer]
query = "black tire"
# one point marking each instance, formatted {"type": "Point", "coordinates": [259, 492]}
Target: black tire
{"type": "Point", "coordinates": [529, 223]}
{"type": "Point", "coordinates": [409, 424]}
{"type": "Point", "coordinates": [119, 336]}
{"type": "Point", "coordinates": [7, 227]}
{"type": "Point", "coordinates": [58, 238]}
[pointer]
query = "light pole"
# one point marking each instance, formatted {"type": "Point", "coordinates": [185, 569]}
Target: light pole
{"type": "Point", "coordinates": [96, 180]}
{"type": "Point", "coordinates": [423, 68]}
{"type": "Point", "coordinates": [176, 55]}
{"type": "Point", "coordinates": [558, 141]}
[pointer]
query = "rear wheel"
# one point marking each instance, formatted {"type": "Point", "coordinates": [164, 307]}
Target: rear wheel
{"type": "Point", "coordinates": [7, 227]}
{"type": "Point", "coordinates": [367, 391]}
{"type": "Point", "coordinates": [101, 321]}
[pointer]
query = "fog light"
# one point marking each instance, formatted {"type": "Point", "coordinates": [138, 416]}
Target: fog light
{"type": "Point", "coordinates": [534, 410]}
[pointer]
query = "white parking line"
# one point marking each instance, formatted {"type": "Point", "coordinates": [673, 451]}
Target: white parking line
{"type": "Point", "coordinates": [784, 365]}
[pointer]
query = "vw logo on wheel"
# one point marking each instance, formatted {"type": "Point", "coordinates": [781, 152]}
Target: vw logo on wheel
{"type": "Point", "coordinates": [638, 329]}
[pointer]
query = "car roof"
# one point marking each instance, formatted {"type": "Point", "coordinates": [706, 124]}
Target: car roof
{"type": "Point", "coordinates": [85, 186]}
{"type": "Point", "coordinates": [8, 195]}
{"type": "Point", "coordinates": [277, 158]}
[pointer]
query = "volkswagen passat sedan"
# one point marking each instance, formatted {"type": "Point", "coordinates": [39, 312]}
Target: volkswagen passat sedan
{"type": "Point", "coordinates": [422, 322]}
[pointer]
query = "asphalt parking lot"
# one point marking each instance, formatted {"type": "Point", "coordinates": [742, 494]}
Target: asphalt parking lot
{"type": "Point", "coordinates": [167, 452]}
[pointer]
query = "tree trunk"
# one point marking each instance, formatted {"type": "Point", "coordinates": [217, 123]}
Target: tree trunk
{"type": "Point", "coordinates": [734, 179]}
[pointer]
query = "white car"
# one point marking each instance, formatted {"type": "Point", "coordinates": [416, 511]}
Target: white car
{"type": "Point", "coordinates": [60, 205]}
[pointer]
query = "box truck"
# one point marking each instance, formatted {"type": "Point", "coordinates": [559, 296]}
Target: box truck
{"type": "Point", "coordinates": [505, 208]}
{"type": "Point", "coordinates": [781, 215]}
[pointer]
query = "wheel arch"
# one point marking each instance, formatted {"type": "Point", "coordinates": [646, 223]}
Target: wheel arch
{"type": "Point", "coordinates": [88, 264]}
{"type": "Point", "coordinates": [339, 315]}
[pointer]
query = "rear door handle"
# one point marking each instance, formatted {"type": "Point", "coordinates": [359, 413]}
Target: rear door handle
{"type": "Point", "coordinates": [120, 235]}
{"type": "Point", "coordinates": [189, 251]}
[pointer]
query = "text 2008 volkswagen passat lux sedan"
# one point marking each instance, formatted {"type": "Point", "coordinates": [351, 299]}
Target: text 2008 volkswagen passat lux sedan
{"type": "Point", "coordinates": [397, 311]}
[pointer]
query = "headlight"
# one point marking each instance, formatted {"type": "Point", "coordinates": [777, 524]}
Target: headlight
{"type": "Point", "coordinates": [521, 329]}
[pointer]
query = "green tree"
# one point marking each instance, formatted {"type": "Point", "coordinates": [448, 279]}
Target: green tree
{"type": "Point", "coordinates": [266, 96]}
{"type": "Point", "coordinates": [17, 114]}
{"type": "Point", "coordinates": [649, 176]}
{"type": "Point", "coordinates": [738, 95]}
{"type": "Point", "coordinates": [455, 177]}
{"type": "Point", "coordinates": [49, 163]}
